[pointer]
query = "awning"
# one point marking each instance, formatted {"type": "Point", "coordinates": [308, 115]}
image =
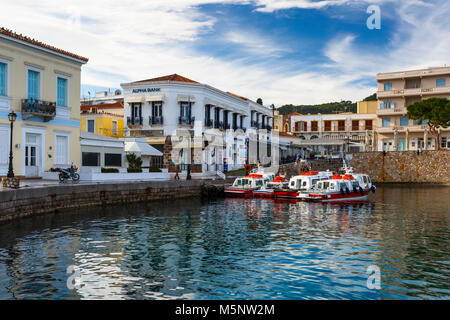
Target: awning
{"type": "Point", "coordinates": [143, 148]}
{"type": "Point", "coordinates": [184, 98]}
{"type": "Point", "coordinates": [157, 97]}
{"type": "Point", "coordinates": [135, 99]}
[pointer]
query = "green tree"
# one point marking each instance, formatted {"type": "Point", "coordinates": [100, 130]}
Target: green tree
{"type": "Point", "coordinates": [434, 111]}
{"type": "Point", "coordinates": [134, 162]}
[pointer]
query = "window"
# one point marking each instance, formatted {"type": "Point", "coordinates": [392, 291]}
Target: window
{"type": "Point", "coordinates": [33, 84]}
{"type": "Point", "coordinates": [3, 79]}
{"type": "Point", "coordinates": [327, 125]}
{"type": "Point", "coordinates": [369, 125]}
{"type": "Point", "coordinates": [114, 130]}
{"type": "Point", "coordinates": [90, 159]}
{"type": "Point", "coordinates": [355, 125]}
{"type": "Point", "coordinates": [386, 122]}
{"type": "Point", "coordinates": [388, 86]}
{"type": "Point", "coordinates": [91, 126]}
{"type": "Point", "coordinates": [443, 142]}
{"type": "Point", "coordinates": [404, 121]}
{"type": "Point", "coordinates": [387, 105]}
{"type": "Point", "coordinates": [314, 126]}
{"type": "Point", "coordinates": [185, 110]}
{"type": "Point", "coordinates": [61, 92]}
{"type": "Point", "coordinates": [113, 159]}
{"type": "Point", "coordinates": [440, 82]}
{"type": "Point", "coordinates": [61, 150]}
{"type": "Point", "coordinates": [157, 109]}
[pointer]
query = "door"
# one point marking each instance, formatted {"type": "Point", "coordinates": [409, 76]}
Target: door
{"type": "Point", "coordinates": [32, 155]}
{"type": "Point", "coordinates": [61, 151]}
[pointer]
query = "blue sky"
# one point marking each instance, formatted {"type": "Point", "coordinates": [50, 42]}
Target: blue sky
{"type": "Point", "coordinates": [284, 51]}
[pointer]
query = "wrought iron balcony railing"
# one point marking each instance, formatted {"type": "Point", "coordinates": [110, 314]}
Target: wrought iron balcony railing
{"type": "Point", "coordinates": [136, 121]}
{"type": "Point", "coordinates": [35, 107]}
{"type": "Point", "coordinates": [186, 121]}
{"type": "Point", "coordinates": [155, 120]}
{"type": "Point", "coordinates": [208, 123]}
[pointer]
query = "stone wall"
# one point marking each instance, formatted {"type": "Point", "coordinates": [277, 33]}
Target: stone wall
{"type": "Point", "coordinates": [31, 201]}
{"type": "Point", "coordinates": [404, 166]}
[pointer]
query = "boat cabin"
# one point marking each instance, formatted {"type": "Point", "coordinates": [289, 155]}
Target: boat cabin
{"type": "Point", "coordinates": [252, 181]}
{"type": "Point", "coordinates": [308, 179]}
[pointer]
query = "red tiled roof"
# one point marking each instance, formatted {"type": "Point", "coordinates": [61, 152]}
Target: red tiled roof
{"type": "Point", "coordinates": [238, 96]}
{"type": "Point", "coordinates": [173, 77]}
{"type": "Point", "coordinates": [115, 105]}
{"type": "Point", "coordinates": [20, 37]}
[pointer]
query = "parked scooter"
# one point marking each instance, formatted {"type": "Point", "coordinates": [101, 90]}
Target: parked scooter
{"type": "Point", "coordinates": [69, 173]}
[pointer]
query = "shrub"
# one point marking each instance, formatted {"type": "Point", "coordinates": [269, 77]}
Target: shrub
{"type": "Point", "coordinates": [110, 170]}
{"type": "Point", "coordinates": [134, 162]}
{"type": "Point", "coordinates": [134, 170]}
{"type": "Point", "coordinates": [154, 169]}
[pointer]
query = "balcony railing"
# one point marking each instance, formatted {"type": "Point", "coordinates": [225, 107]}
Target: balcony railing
{"type": "Point", "coordinates": [34, 107]}
{"type": "Point", "coordinates": [155, 120]}
{"type": "Point", "coordinates": [396, 110]}
{"type": "Point", "coordinates": [254, 124]}
{"type": "Point", "coordinates": [208, 123]}
{"type": "Point", "coordinates": [186, 121]}
{"type": "Point", "coordinates": [136, 121]}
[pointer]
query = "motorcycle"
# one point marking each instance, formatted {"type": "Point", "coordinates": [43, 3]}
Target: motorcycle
{"type": "Point", "coordinates": [69, 173]}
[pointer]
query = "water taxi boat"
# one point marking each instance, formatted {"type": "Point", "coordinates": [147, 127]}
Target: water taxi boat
{"type": "Point", "coordinates": [301, 183]}
{"type": "Point", "coordinates": [347, 187]}
{"type": "Point", "coordinates": [245, 186]}
{"type": "Point", "coordinates": [268, 190]}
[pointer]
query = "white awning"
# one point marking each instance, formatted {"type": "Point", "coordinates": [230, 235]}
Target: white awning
{"type": "Point", "coordinates": [135, 99]}
{"type": "Point", "coordinates": [142, 148]}
{"type": "Point", "coordinates": [184, 98]}
{"type": "Point", "coordinates": [157, 97]}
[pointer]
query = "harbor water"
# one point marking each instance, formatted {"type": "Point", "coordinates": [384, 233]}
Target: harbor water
{"type": "Point", "coordinates": [235, 249]}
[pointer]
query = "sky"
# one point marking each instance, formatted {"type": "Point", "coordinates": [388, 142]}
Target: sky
{"type": "Point", "coordinates": [283, 51]}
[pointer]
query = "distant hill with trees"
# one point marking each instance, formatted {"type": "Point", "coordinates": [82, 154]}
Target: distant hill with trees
{"type": "Point", "coordinates": [324, 108]}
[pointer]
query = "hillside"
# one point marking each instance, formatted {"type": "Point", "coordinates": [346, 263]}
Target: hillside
{"type": "Point", "coordinates": [324, 108]}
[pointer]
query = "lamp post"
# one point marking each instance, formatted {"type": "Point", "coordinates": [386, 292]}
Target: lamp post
{"type": "Point", "coordinates": [12, 117]}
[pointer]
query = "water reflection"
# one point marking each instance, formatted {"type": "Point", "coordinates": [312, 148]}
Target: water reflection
{"type": "Point", "coordinates": [233, 248]}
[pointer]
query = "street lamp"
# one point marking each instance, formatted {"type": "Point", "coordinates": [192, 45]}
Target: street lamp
{"type": "Point", "coordinates": [12, 117]}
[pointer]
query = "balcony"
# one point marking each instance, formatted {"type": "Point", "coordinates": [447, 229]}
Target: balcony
{"type": "Point", "coordinates": [254, 124]}
{"type": "Point", "coordinates": [136, 121]}
{"type": "Point", "coordinates": [208, 123]}
{"type": "Point", "coordinates": [40, 108]}
{"type": "Point", "coordinates": [186, 121]}
{"type": "Point", "coordinates": [156, 121]}
{"type": "Point", "coordinates": [412, 92]}
{"type": "Point", "coordinates": [392, 111]}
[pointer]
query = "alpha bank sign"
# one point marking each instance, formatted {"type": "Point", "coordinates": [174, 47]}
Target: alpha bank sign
{"type": "Point", "coordinates": [145, 90]}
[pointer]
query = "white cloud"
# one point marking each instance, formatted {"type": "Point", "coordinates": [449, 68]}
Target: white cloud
{"type": "Point", "coordinates": [132, 40]}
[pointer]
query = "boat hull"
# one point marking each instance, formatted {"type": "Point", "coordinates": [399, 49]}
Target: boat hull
{"type": "Point", "coordinates": [239, 193]}
{"type": "Point", "coordinates": [335, 197]}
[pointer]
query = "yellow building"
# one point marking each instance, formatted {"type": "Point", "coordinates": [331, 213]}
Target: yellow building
{"type": "Point", "coordinates": [41, 84]}
{"type": "Point", "coordinates": [367, 107]}
{"type": "Point", "coordinates": [104, 119]}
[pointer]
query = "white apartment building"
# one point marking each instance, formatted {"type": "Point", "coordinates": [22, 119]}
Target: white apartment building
{"type": "Point", "coordinates": [219, 125]}
{"type": "Point", "coordinates": [398, 90]}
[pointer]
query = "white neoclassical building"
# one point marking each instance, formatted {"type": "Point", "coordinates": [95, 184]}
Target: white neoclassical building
{"type": "Point", "coordinates": [194, 123]}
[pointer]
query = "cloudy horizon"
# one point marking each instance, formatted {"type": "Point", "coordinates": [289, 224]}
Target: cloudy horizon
{"type": "Point", "coordinates": [285, 51]}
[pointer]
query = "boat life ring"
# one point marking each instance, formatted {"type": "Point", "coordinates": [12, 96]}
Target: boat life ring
{"type": "Point", "coordinates": [247, 168]}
